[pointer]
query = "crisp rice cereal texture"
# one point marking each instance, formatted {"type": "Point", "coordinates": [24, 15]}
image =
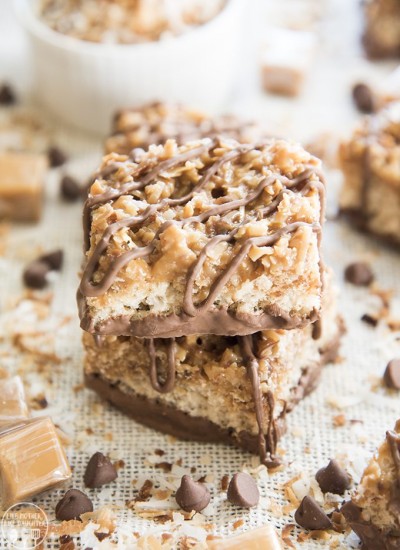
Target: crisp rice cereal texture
{"type": "Point", "coordinates": [154, 123]}
{"type": "Point", "coordinates": [126, 21]}
{"type": "Point", "coordinates": [370, 161]}
{"type": "Point", "coordinates": [212, 382]}
{"type": "Point", "coordinates": [261, 207]}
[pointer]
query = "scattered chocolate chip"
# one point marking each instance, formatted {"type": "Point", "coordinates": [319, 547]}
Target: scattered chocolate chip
{"type": "Point", "coordinates": [56, 157]}
{"type": "Point", "coordinates": [7, 95]}
{"type": "Point", "coordinates": [192, 495]}
{"type": "Point", "coordinates": [40, 402]}
{"type": "Point", "coordinates": [359, 274]}
{"type": "Point", "coordinates": [145, 491]}
{"type": "Point", "coordinates": [72, 505]}
{"type": "Point", "coordinates": [99, 471]}
{"type": "Point", "coordinates": [70, 189]}
{"type": "Point", "coordinates": [243, 491]}
{"type": "Point", "coordinates": [65, 538]}
{"type": "Point", "coordinates": [54, 260]}
{"type": "Point", "coordinates": [369, 320]}
{"type": "Point", "coordinates": [391, 375]}
{"type": "Point", "coordinates": [333, 478]}
{"type": "Point", "coordinates": [35, 274]}
{"type": "Point", "coordinates": [101, 536]}
{"type": "Point", "coordinates": [363, 98]}
{"type": "Point", "coordinates": [310, 515]}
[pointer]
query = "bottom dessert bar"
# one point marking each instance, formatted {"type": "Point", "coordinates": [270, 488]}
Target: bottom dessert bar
{"type": "Point", "coordinates": [235, 390]}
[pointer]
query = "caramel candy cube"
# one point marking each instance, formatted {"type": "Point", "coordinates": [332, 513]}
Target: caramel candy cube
{"type": "Point", "coordinates": [13, 407]}
{"type": "Point", "coordinates": [286, 59]}
{"type": "Point", "coordinates": [32, 460]}
{"type": "Point", "coordinates": [21, 186]}
{"type": "Point", "coordinates": [263, 538]}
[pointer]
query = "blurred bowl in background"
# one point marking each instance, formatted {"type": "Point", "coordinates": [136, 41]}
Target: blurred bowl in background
{"type": "Point", "coordinates": [84, 83]}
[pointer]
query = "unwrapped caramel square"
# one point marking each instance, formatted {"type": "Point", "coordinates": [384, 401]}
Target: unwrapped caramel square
{"type": "Point", "coordinates": [263, 538]}
{"type": "Point", "coordinates": [21, 186]}
{"type": "Point", "coordinates": [13, 407]}
{"type": "Point", "coordinates": [32, 460]}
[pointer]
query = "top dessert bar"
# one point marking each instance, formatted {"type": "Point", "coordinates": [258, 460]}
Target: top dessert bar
{"type": "Point", "coordinates": [370, 161]}
{"type": "Point", "coordinates": [382, 28]}
{"type": "Point", "coordinates": [209, 237]}
{"type": "Point", "coordinates": [126, 21]}
{"type": "Point", "coordinates": [157, 122]}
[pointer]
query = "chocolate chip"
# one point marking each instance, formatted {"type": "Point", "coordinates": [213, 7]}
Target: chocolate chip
{"type": "Point", "coordinates": [35, 274]}
{"type": "Point", "coordinates": [54, 260]}
{"type": "Point", "coordinates": [70, 189]}
{"type": "Point", "coordinates": [310, 515]}
{"type": "Point", "coordinates": [333, 478]}
{"type": "Point", "coordinates": [369, 320]}
{"type": "Point", "coordinates": [192, 495]}
{"type": "Point", "coordinates": [99, 471]}
{"type": "Point", "coordinates": [7, 95]}
{"type": "Point", "coordinates": [243, 491]}
{"type": "Point", "coordinates": [363, 98]}
{"type": "Point", "coordinates": [391, 375]}
{"type": "Point", "coordinates": [56, 157]}
{"type": "Point", "coordinates": [359, 274]}
{"type": "Point", "coordinates": [72, 505]}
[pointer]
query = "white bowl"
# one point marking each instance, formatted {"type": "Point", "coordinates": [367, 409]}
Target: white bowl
{"type": "Point", "coordinates": [84, 83]}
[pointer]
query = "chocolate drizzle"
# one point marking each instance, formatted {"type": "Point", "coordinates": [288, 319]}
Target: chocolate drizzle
{"type": "Point", "coordinates": [393, 440]}
{"type": "Point", "coordinates": [302, 184]}
{"type": "Point", "coordinates": [169, 383]}
{"type": "Point", "coordinates": [268, 441]}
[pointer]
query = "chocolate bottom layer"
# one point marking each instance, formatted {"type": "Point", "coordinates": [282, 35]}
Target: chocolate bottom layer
{"type": "Point", "coordinates": [360, 221]}
{"type": "Point", "coordinates": [167, 419]}
{"type": "Point", "coordinates": [372, 538]}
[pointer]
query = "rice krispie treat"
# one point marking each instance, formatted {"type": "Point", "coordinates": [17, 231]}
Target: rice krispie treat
{"type": "Point", "coordinates": [382, 23]}
{"type": "Point", "coordinates": [373, 512]}
{"type": "Point", "coordinates": [154, 123]}
{"type": "Point", "coordinates": [370, 161]}
{"type": "Point", "coordinates": [126, 21]}
{"type": "Point", "coordinates": [210, 237]}
{"type": "Point", "coordinates": [235, 390]}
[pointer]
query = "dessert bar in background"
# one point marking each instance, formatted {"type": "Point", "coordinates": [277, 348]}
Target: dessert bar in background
{"type": "Point", "coordinates": [210, 237]}
{"type": "Point", "coordinates": [154, 123]}
{"type": "Point", "coordinates": [381, 36]}
{"type": "Point", "coordinates": [370, 161]}
{"type": "Point", "coordinates": [215, 388]}
{"type": "Point", "coordinates": [373, 512]}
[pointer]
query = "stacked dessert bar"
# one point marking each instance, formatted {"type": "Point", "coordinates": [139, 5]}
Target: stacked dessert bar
{"type": "Point", "coordinates": [207, 308]}
{"type": "Point", "coordinates": [381, 36]}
